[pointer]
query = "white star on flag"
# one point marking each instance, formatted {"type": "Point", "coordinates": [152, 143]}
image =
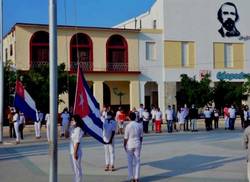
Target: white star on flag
{"type": "Point", "coordinates": [81, 100]}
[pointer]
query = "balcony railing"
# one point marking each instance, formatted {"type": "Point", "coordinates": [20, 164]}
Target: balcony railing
{"type": "Point", "coordinates": [85, 66]}
{"type": "Point", "coordinates": [37, 64]}
{"type": "Point", "coordinates": [117, 67]}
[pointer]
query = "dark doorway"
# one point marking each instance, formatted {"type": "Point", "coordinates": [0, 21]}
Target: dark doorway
{"type": "Point", "coordinates": [155, 98]}
{"type": "Point", "coordinates": [106, 95]}
{"type": "Point", "coordinates": [147, 101]}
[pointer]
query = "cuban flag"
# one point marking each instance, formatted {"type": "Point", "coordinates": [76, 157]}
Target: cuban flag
{"type": "Point", "coordinates": [87, 108]}
{"type": "Point", "coordinates": [24, 102]}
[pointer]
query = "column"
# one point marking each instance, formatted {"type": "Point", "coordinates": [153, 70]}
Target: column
{"type": "Point", "coordinates": [161, 97]}
{"type": "Point", "coordinates": [98, 92]}
{"type": "Point", "coordinates": [142, 92]}
{"type": "Point", "coordinates": [134, 91]}
{"type": "Point", "coordinates": [170, 93]}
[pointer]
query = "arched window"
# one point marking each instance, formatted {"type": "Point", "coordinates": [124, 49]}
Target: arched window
{"type": "Point", "coordinates": [117, 54]}
{"type": "Point", "coordinates": [81, 51]}
{"type": "Point", "coordinates": [39, 49]}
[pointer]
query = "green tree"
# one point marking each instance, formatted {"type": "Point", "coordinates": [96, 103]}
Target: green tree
{"type": "Point", "coordinates": [194, 92]}
{"type": "Point", "coordinates": [9, 83]}
{"type": "Point", "coordinates": [36, 82]}
{"type": "Point", "coordinates": [228, 93]}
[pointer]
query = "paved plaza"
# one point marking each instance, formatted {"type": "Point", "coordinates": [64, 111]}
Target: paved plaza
{"type": "Point", "coordinates": [215, 156]}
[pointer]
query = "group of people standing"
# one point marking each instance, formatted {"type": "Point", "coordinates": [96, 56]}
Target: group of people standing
{"type": "Point", "coordinates": [132, 128]}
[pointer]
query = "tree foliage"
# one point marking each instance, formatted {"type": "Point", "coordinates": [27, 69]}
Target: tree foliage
{"type": "Point", "coordinates": [194, 92]}
{"type": "Point", "coordinates": [228, 93]}
{"type": "Point", "coordinates": [36, 82]}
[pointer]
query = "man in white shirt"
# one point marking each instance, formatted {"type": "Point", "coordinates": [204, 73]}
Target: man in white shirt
{"type": "Point", "coordinates": [145, 116]}
{"type": "Point", "coordinates": [109, 127]}
{"type": "Point", "coordinates": [47, 119]}
{"type": "Point", "coordinates": [208, 116]}
{"type": "Point", "coordinates": [140, 111]}
{"type": "Point", "coordinates": [15, 120]}
{"type": "Point", "coordinates": [37, 125]}
{"type": "Point", "coordinates": [153, 113]}
{"type": "Point", "coordinates": [132, 144]}
{"type": "Point", "coordinates": [21, 123]}
{"type": "Point", "coordinates": [169, 117]}
{"type": "Point", "coordinates": [232, 117]}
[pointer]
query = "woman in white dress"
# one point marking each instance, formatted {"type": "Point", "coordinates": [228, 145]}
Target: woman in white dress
{"type": "Point", "coordinates": [76, 134]}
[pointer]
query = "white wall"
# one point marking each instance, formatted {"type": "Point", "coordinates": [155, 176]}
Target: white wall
{"type": "Point", "coordinates": [151, 69]}
{"type": "Point", "coordinates": [196, 20]}
{"type": "Point", "coordinates": [147, 18]}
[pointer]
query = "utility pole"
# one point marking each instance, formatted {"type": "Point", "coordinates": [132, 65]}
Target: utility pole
{"type": "Point", "coordinates": [53, 88]}
{"type": "Point", "coordinates": [1, 73]}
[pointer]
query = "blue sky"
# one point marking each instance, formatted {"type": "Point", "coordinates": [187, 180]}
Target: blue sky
{"type": "Point", "coordinates": [101, 13]}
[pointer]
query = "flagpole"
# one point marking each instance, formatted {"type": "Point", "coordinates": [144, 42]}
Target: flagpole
{"type": "Point", "coordinates": [53, 88]}
{"type": "Point", "coordinates": [1, 73]}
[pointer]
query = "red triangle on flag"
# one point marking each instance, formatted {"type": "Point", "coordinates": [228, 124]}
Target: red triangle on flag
{"type": "Point", "coordinates": [81, 106]}
{"type": "Point", "coordinates": [19, 89]}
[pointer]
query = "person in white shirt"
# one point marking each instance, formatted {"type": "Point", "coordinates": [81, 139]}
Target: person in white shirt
{"type": "Point", "coordinates": [65, 122]}
{"type": "Point", "coordinates": [132, 144]}
{"type": "Point", "coordinates": [232, 117]}
{"type": "Point", "coordinates": [181, 118]}
{"type": "Point", "coordinates": [109, 127]}
{"type": "Point", "coordinates": [37, 126]}
{"type": "Point", "coordinates": [48, 123]}
{"type": "Point", "coordinates": [145, 116]}
{"type": "Point", "coordinates": [76, 134]}
{"type": "Point", "coordinates": [169, 117]}
{"type": "Point", "coordinates": [153, 113]}
{"type": "Point", "coordinates": [208, 117]}
{"type": "Point", "coordinates": [15, 120]}
{"type": "Point", "coordinates": [104, 114]}
{"type": "Point", "coordinates": [140, 111]}
{"type": "Point", "coordinates": [158, 120]}
{"type": "Point", "coordinates": [21, 124]}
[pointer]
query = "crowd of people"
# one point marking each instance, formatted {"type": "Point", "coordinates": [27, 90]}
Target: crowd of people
{"type": "Point", "coordinates": [131, 125]}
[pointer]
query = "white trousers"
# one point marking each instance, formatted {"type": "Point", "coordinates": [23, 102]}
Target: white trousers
{"type": "Point", "coordinates": [48, 131]}
{"type": "Point", "coordinates": [65, 127]}
{"type": "Point", "coordinates": [134, 163]}
{"type": "Point", "coordinates": [16, 127]}
{"type": "Point", "coordinates": [226, 122]}
{"type": "Point", "coordinates": [37, 126]}
{"type": "Point", "coordinates": [77, 168]}
{"type": "Point", "coordinates": [109, 154]}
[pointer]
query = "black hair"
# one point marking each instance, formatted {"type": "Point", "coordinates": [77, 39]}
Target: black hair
{"type": "Point", "coordinates": [132, 116]}
{"type": "Point", "coordinates": [219, 14]}
{"type": "Point", "coordinates": [78, 120]}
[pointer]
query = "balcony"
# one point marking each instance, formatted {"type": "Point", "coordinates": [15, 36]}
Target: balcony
{"type": "Point", "coordinates": [117, 67]}
{"type": "Point", "coordinates": [86, 66]}
{"type": "Point", "coordinates": [37, 64]}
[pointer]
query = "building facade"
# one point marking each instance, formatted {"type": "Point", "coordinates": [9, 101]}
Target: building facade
{"type": "Point", "coordinates": [108, 57]}
{"type": "Point", "coordinates": [142, 58]}
{"type": "Point", "coordinates": [192, 37]}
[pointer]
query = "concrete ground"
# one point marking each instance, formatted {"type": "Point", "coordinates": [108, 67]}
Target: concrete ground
{"type": "Point", "coordinates": [215, 156]}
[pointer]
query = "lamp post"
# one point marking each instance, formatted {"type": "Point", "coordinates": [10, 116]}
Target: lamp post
{"type": "Point", "coordinates": [119, 94]}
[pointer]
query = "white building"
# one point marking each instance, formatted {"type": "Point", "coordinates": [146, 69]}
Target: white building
{"type": "Point", "coordinates": [192, 37]}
